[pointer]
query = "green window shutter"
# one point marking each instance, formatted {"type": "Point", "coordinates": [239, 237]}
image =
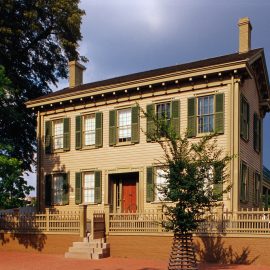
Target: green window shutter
{"type": "Point", "coordinates": [98, 198]}
{"type": "Point", "coordinates": [192, 125]}
{"type": "Point", "coordinates": [48, 190]}
{"type": "Point", "coordinates": [78, 132]}
{"type": "Point", "coordinates": [176, 117]}
{"type": "Point", "coordinates": [112, 127]}
{"type": "Point", "coordinates": [65, 195]}
{"type": "Point", "coordinates": [135, 132]}
{"type": "Point", "coordinates": [150, 187]}
{"type": "Point", "coordinates": [150, 125]}
{"type": "Point", "coordinates": [217, 191]}
{"type": "Point", "coordinates": [48, 137]}
{"type": "Point", "coordinates": [242, 195]}
{"type": "Point", "coordinates": [260, 133]}
{"type": "Point", "coordinates": [248, 121]}
{"type": "Point", "coordinates": [99, 129]}
{"type": "Point", "coordinates": [78, 188]}
{"type": "Point", "coordinates": [241, 117]}
{"type": "Point", "coordinates": [66, 134]}
{"type": "Point", "coordinates": [219, 114]}
{"type": "Point", "coordinates": [218, 185]}
{"type": "Point", "coordinates": [255, 132]}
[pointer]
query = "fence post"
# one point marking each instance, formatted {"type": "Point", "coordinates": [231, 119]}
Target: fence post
{"type": "Point", "coordinates": [47, 217]}
{"type": "Point", "coordinates": [160, 218]}
{"type": "Point", "coordinates": [107, 218]}
{"type": "Point", "coordinates": [82, 220]}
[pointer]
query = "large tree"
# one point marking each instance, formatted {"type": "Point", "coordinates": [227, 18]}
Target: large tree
{"type": "Point", "coordinates": [13, 187]}
{"type": "Point", "coordinates": [37, 39]}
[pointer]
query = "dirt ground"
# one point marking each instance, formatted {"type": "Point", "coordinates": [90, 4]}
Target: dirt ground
{"type": "Point", "coordinates": [31, 261]}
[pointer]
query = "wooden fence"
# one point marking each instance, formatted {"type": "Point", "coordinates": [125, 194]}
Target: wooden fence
{"type": "Point", "coordinates": [256, 222]}
{"type": "Point", "coordinates": [48, 222]}
{"type": "Point", "coordinates": [145, 222]}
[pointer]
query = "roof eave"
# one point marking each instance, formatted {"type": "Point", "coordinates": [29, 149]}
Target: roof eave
{"type": "Point", "coordinates": [236, 65]}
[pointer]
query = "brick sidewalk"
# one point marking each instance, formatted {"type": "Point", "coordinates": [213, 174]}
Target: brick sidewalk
{"type": "Point", "coordinates": [32, 261]}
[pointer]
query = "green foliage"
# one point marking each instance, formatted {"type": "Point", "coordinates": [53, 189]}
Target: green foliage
{"type": "Point", "coordinates": [38, 38]}
{"type": "Point", "coordinates": [13, 187]}
{"type": "Point", "coordinates": [192, 169]}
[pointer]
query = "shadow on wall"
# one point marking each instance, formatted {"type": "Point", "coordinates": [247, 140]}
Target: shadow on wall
{"type": "Point", "coordinates": [23, 232]}
{"type": "Point", "coordinates": [212, 249]}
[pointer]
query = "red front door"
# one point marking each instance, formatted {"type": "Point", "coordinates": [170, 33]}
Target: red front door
{"type": "Point", "coordinates": [129, 202]}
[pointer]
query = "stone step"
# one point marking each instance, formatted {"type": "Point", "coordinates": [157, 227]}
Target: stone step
{"type": "Point", "coordinates": [75, 255]}
{"type": "Point", "coordinates": [85, 244]}
{"type": "Point", "coordinates": [94, 250]}
{"type": "Point", "coordinates": [101, 240]}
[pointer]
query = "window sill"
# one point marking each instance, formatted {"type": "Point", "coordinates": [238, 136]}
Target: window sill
{"type": "Point", "coordinates": [123, 144]}
{"type": "Point", "coordinates": [91, 147]}
{"type": "Point", "coordinates": [244, 139]}
{"type": "Point", "coordinates": [88, 204]}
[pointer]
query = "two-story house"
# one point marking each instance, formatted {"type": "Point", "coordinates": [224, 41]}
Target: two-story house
{"type": "Point", "coordinates": [91, 145]}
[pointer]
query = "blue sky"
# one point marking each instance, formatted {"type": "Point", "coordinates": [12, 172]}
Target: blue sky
{"type": "Point", "coordinates": [122, 37]}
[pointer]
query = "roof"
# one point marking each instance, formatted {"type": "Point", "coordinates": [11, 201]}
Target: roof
{"type": "Point", "coordinates": [229, 58]}
{"type": "Point", "coordinates": [266, 174]}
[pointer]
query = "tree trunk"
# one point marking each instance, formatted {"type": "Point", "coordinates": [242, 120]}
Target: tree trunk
{"type": "Point", "coordinates": [183, 253]}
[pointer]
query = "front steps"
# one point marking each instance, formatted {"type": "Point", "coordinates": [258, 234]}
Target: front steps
{"type": "Point", "coordinates": [94, 250]}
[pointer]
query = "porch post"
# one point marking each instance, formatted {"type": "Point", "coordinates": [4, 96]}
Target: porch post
{"type": "Point", "coordinates": [82, 219]}
{"type": "Point", "coordinates": [47, 213]}
{"type": "Point", "coordinates": [107, 217]}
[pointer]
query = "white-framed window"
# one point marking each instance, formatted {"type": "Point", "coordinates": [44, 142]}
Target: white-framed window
{"type": "Point", "coordinates": [160, 184]}
{"type": "Point", "coordinates": [58, 135]}
{"type": "Point", "coordinates": [89, 187]}
{"type": "Point", "coordinates": [89, 130]}
{"type": "Point", "coordinates": [124, 125]}
{"type": "Point", "coordinates": [57, 189]}
{"type": "Point", "coordinates": [163, 110]}
{"type": "Point", "coordinates": [244, 182]}
{"type": "Point", "coordinates": [257, 185]}
{"type": "Point", "coordinates": [205, 116]}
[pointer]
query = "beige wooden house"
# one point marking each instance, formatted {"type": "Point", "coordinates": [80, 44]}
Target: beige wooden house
{"type": "Point", "coordinates": [91, 145]}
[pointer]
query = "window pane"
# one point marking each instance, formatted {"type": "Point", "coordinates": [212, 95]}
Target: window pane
{"type": "Point", "coordinates": [160, 183]}
{"type": "Point", "coordinates": [57, 189]}
{"type": "Point", "coordinates": [205, 114]}
{"type": "Point", "coordinates": [89, 130]}
{"type": "Point", "coordinates": [58, 134]}
{"type": "Point", "coordinates": [89, 187]}
{"type": "Point", "coordinates": [163, 110]}
{"type": "Point", "coordinates": [124, 125]}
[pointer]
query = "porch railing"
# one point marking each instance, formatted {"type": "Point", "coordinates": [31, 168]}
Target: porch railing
{"type": "Point", "coordinates": [48, 222]}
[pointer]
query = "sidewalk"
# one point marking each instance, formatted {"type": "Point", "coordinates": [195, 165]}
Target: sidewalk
{"type": "Point", "coordinates": [32, 261]}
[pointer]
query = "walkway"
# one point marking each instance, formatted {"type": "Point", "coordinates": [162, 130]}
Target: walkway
{"type": "Point", "coordinates": [32, 261]}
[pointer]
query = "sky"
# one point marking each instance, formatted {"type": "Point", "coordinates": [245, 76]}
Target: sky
{"type": "Point", "coordinates": [122, 37]}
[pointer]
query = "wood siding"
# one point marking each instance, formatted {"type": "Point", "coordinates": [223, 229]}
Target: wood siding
{"type": "Point", "coordinates": [122, 157]}
{"type": "Point", "coordinates": [252, 158]}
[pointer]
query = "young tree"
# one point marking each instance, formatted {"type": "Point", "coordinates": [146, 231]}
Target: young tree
{"type": "Point", "coordinates": [195, 172]}
{"type": "Point", "coordinates": [38, 38]}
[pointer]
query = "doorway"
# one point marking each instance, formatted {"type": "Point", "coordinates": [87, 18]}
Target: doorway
{"type": "Point", "coordinates": [123, 192]}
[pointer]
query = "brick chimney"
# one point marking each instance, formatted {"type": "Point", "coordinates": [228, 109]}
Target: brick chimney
{"type": "Point", "coordinates": [244, 34]}
{"type": "Point", "coordinates": [75, 73]}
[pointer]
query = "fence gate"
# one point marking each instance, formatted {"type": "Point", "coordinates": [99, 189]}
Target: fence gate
{"type": "Point", "coordinates": [99, 225]}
